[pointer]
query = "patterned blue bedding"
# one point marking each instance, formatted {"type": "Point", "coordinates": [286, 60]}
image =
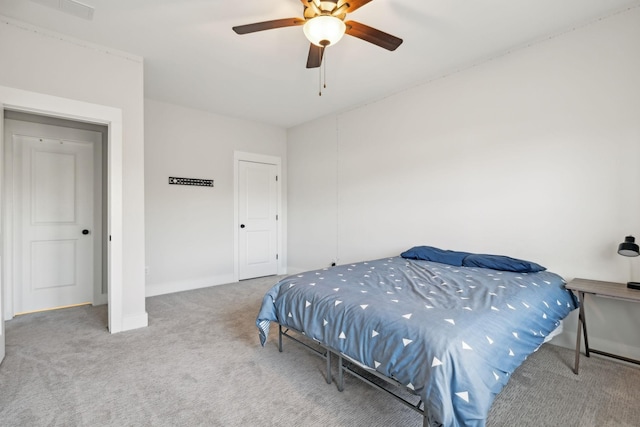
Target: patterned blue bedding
{"type": "Point", "coordinates": [451, 335]}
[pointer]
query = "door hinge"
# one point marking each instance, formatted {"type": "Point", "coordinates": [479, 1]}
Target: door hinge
{"type": "Point", "coordinates": [276, 178]}
{"type": "Point", "coordinates": [276, 217]}
{"type": "Point", "coordinates": [276, 256]}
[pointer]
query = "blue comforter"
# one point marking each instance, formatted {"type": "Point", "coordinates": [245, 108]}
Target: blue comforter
{"type": "Point", "coordinates": [452, 335]}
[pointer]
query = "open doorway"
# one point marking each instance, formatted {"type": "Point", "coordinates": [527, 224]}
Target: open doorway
{"type": "Point", "coordinates": [56, 209]}
{"type": "Point", "coordinates": [68, 109]}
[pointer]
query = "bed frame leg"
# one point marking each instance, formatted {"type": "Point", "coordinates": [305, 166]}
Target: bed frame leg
{"type": "Point", "coordinates": [280, 338]}
{"type": "Point", "coordinates": [328, 357]}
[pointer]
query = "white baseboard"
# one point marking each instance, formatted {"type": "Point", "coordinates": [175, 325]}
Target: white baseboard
{"type": "Point", "coordinates": [294, 270]}
{"type": "Point", "coordinates": [620, 349]}
{"type": "Point", "coordinates": [135, 321]}
{"type": "Point", "coordinates": [156, 289]}
{"type": "Point", "coordinates": [567, 339]}
{"type": "Point", "coordinates": [101, 299]}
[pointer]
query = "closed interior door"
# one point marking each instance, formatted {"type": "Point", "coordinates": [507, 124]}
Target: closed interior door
{"type": "Point", "coordinates": [54, 222]}
{"type": "Point", "coordinates": [258, 216]}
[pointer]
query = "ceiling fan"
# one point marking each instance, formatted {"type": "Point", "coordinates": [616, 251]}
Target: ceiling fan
{"type": "Point", "coordinates": [324, 25]}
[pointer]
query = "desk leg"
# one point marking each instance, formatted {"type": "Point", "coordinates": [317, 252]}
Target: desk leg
{"type": "Point", "coordinates": [577, 361]}
{"type": "Point", "coordinates": [581, 324]}
{"type": "Point", "coordinates": [584, 325]}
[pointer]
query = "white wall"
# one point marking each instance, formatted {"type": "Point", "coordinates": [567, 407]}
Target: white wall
{"type": "Point", "coordinates": [534, 154]}
{"type": "Point", "coordinates": [38, 61]}
{"type": "Point", "coordinates": [313, 193]}
{"type": "Point", "coordinates": [189, 230]}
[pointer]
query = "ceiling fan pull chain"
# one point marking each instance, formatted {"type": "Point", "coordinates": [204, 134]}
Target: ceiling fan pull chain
{"type": "Point", "coordinates": [325, 70]}
{"type": "Point", "coordinates": [320, 52]}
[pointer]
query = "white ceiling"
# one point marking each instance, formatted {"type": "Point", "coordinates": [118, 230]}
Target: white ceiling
{"type": "Point", "coordinates": [193, 58]}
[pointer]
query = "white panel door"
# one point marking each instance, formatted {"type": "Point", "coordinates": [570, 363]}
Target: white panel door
{"type": "Point", "coordinates": [54, 222]}
{"type": "Point", "coordinates": [258, 210]}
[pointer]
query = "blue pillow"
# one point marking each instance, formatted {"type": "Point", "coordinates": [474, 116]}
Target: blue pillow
{"type": "Point", "coordinates": [429, 253]}
{"type": "Point", "coordinates": [503, 263]}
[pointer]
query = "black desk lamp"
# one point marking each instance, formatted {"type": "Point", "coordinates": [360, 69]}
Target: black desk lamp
{"type": "Point", "coordinates": [630, 248]}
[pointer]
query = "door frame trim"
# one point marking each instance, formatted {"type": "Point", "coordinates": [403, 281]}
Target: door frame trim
{"type": "Point", "coordinates": [239, 156]}
{"type": "Point", "coordinates": [53, 106]}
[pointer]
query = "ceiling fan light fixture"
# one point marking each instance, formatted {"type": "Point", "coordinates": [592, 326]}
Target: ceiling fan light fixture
{"type": "Point", "coordinates": [324, 30]}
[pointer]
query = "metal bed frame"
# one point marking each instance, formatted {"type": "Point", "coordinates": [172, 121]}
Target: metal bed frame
{"type": "Point", "coordinates": [350, 366]}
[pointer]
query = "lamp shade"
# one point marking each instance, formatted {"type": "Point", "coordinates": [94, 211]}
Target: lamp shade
{"type": "Point", "coordinates": [324, 30]}
{"type": "Point", "coordinates": [629, 247]}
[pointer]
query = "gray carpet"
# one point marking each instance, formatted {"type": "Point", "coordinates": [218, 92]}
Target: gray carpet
{"type": "Point", "coordinates": [199, 364]}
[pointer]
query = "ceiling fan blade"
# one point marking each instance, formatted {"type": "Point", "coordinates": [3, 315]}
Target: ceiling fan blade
{"type": "Point", "coordinates": [371, 35]}
{"type": "Point", "coordinates": [268, 25]}
{"type": "Point", "coordinates": [353, 4]}
{"type": "Point", "coordinates": [314, 60]}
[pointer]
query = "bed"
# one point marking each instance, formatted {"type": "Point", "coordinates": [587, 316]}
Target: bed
{"type": "Point", "coordinates": [449, 331]}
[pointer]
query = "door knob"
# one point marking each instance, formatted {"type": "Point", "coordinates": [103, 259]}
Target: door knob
{"type": "Point", "coordinates": [85, 231]}
{"type": "Point", "coordinates": [241, 225]}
